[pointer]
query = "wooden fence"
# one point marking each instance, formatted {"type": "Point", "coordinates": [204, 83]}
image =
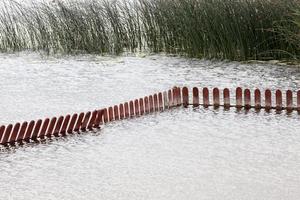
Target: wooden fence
{"type": "Point", "coordinates": [35, 131]}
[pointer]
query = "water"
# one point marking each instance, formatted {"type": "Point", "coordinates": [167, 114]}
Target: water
{"type": "Point", "coordinates": [178, 154]}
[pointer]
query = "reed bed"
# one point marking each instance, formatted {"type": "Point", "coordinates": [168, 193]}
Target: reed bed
{"type": "Point", "coordinates": [222, 29]}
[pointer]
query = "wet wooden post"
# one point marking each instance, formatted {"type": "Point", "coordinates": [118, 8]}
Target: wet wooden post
{"type": "Point", "coordinates": [42, 133]}
{"type": "Point", "coordinates": [6, 136]}
{"type": "Point", "coordinates": [122, 113]}
{"type": "Point", "coordinates": [79, 122]}
{"type": "Point", "coordinates": [99, 119]}
{"type": "Point", "coordinates": [14, 133]}
{"type": "Point", "coordinates": [2, 130]}
{"type": "Point", "coordinates": [185, 97]}
{"type": "Point", "coordinates": [58, 126]}
{"type": "Point", "coordinates": [257, 99]}
{"type": "Point", "coordinates": [195, 97]}
{"type": "Point", "coordinates": [239, 97]}
{"type": "Point", "coordinates": [226, 96]}
{"type": "Point", "coordinates": [170, 99]}
{"type": "Point", "coordinates": [298, 101]}
{"type": "Point", "coordinates": [85, 121]}
{"type": "Point", "coordinates": [216, 98]}
{"type": "Point", "coordinates": [92, 120]}
{"type": "Point", "coordinates": [146, 99]}
{"type": "Point", "coordinates": [278, 95]}
{"type": "Point", "coordinates": [126, 108]}
{"type": "Point", "coordinates": [289, 101]}
{"type": "Point", "coordinates": [160, 101]}
{"type": "Point", "coordinates": [205, 97]}
{"type": "Point", "coordinates": [247, 99]}
{"type": "Point", "coordinates": [36, 130]}
{"type": "Point", "coordinates": [142, 108]}
{"type": "Point", "coordinates": [131, 108]}
{"type": "Point", "coordinates": [268, 100]}
{"type": "Point", "coordinates": [29, 130]}
{"type": "Point", "coordinates": [63, 130]}
{"type": "Point", "coordinates": [155, 98]}
{"type": "Point", "coordinates": [21, 133]}
{"type": "Point", "coordinates": [166, 102]}
{"type": "Point", "coordinates": [151, 108]}
{"type": "Point", "coordinates": [136, 107]}
{"type": "Point", "coordinates": [72, 123]}
{"type": "Point", "coordinates": [51, 127]}
{"type": "Point", "coordinates": [175, 96]}
{"type": "Point", "coordinates": [110, 114]}
{"type": "Point", "coordinates": [179, 99]}
{"type": "Point", "coordinates": [116, 112]}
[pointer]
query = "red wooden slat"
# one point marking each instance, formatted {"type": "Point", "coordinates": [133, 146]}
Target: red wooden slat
{"type": "Point", "coordinates": [160, 101]}
{"type": "Point", "coordinates": [126, 108]}
{"type": "Point", "coordinates": [257, 99]}
{"type": "Point", "coordinates": [142, 108]}
{"type": "Point", "coordinates": [72, 123]}
{"type": "Point", "coordinates": [44, 128]}
{"type": "Point", "coordinates": [36, 130]}
{"type": "Point", "coordinates": [65, 125]}
{"type": "Point", "coordinates": [110, 114]}
{"type": "Point", "coordinates": [247, 99]}
{"type": "Point", "coordinates": [85, 121]}
{"type": "Point", "coordinates": [105, 115]}
{"type": "Point", "coordinates": [185, 96]}
{"type": "Point", "coordinates": [216, 97]}
{"type": "Point", "coordinates": [195, 97]}
{"type": "Point", "coordinates": [226, 96]}
{"type": "Point", "coordinates": [136, 107]}
{"type": "Point", "coordinates": [2, 129]}
{"type": "Point", "coordinates": [147, 109]}
{"type": "Point", "coordinates": [298, 101]}
{"type": "Point", "coordinates": [116, 112]}
{"type": "Point", "coordinates": [289, 101]}
{"type": "Point", "coordinates": [122, 113]}
{"type": "Point", "coordinates": [205, 97]}
{"type": "Point", "coordinates": [29, 131]}
{"type": "Point", "coordinates": [6, 135]}
{"type": "Point", "coordinates": [79, 122]}
{"type": "Point", "coordinates": [99, 118]}
{"type": "Point", "coordinates": [175, 96]}
{"type": "Point", "coordinates": [166, 101]}
{"type": "Point", "coordinates": [268, 99]}
{"type": "Point", "coordinates": [170, 98]}
{"type": "Point", "coordinates": [155, 99]}
{"type": "Point", "coordinates": [51, 127]}
{"type": "Point", "coordinates": [131, 108]}
{"type": "Point", "coordinates": [151, 105]}
{"type": "Point", "coordinates": [58, 126]}
{"type": "Point", "coordinates": [22, 131]}
{"type": "Point", "coordinates": [278, 100]}
{"type": "Point", "coordinates": [14, 133]}
{"type": "Point", "coordinates": [92, 120]}
{"type": "Point", "coordinates": [179, 99]}
{"type": "Point", "coordinates": [239, 97]}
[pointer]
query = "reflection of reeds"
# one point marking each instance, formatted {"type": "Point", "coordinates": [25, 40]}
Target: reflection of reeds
{"type": "Point", "coordinates": [226, 29]}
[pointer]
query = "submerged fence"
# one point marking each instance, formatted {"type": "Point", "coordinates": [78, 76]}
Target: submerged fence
{"type": "Point", "coordinates": [36, 131]}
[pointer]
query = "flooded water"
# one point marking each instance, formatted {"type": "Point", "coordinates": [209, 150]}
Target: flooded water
{"type": "Point", "coordinates": [179, 154]}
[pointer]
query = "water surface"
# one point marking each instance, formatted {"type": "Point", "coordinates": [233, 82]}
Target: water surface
{"type": "Point", "coordinates": [179, 154]}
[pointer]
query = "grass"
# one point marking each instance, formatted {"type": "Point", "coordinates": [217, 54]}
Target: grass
{"type": "Point", "coordinates": [222, 29]}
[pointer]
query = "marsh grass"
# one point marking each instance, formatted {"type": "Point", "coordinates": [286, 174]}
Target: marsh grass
{"type": "Point", "coordinates": [223, 29]}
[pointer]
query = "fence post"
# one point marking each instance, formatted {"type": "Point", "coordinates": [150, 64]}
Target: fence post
{"type": "Point", "coordinates": [195, 97]}
{"type": "Point", "coordinates": [226, 95]}
{"type": "Point", "coordinates": [278, 95]}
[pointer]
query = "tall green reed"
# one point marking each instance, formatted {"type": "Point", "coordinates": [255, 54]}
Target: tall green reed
{"type": "Point", "coordinates": [224, 29]}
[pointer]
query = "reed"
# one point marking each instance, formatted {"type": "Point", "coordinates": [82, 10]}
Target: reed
{"type": "Point", "coordinates": [223, 29]}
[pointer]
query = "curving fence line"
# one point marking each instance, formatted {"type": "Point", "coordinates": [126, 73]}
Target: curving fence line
{"type": "Point", "coordinates": [35, 131]}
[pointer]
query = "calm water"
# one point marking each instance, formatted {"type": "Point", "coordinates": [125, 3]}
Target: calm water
{"type": "Point", "coordinates": [178, 154]}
